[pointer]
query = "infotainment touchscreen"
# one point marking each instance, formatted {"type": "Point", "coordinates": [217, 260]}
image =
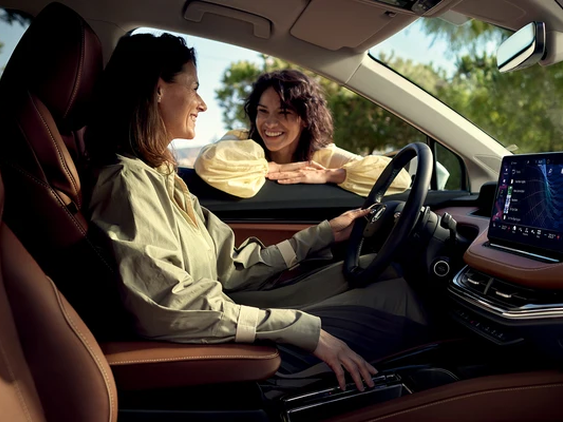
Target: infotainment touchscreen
{"type": "Point", "coordinates": [527, 214]}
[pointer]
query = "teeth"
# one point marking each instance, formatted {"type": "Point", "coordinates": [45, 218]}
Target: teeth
{"type": "Point", "coordinates": [273, 133]}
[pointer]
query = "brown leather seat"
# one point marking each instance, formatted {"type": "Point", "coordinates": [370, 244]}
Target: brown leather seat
{"type": "Point", "coordinates": [51, 368]}
{"type": "Point", "coordinates": [45, 92]}
{"type": "Point", "coordinates": [44, 96]}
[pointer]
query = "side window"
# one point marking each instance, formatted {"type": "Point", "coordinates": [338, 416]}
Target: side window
{"type": "Point", "coordinates": [214, 59]}
{"type": "Point", "coordinates": [360, 126]}
{"type": "Point", "coordinates": [226, 74]}
{"type": "Point", "coordinates": [449, 170]}
{"type": "Point", "coordinates": [13, 24]}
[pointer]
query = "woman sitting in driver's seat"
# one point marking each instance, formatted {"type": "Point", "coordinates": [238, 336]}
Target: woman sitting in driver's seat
{"type": "Point", "coordinates": [290, 141]}
{"type": "Point", "coordinates": [182, 277]}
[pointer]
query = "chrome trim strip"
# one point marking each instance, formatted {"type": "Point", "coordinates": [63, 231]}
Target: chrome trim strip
{"type": "Point", "coordinates": [529, 311]}
{"type": "Point", "coordinates": [378, 380]}
{"type": "Point", "coordinates": [547, 258]}
{"type": "Point", "coordinates": [340, 398]}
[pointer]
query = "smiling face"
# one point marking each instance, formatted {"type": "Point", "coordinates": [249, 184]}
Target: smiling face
{"type": "Point", "coordinates": [179, 103]}
{"type": "Point", "coordinates": [280, 128]}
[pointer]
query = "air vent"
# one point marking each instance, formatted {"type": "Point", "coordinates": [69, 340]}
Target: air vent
{"type": "Point", "coordinates": [509, 295]}
{"type": "Point", "coordinates": [475, 280]}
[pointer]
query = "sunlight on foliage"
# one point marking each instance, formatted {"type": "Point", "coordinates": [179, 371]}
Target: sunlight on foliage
{"type": "Point", "coordinates": [522, 108]}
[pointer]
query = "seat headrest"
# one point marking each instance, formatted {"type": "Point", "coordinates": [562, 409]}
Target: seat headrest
{"type": "Point", "coordinates": [58, 59]}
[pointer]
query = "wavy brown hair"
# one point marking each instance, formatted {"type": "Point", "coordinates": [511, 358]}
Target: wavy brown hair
{"type": "Point", "coordinates": [126, 117]}
{"type": "Point", "coordinates": [302, 95]}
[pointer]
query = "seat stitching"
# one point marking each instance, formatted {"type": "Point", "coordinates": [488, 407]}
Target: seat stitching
{"type": "Point", "coordinates": [57, 197]}
{"type": "Point", "coordinates": [79, 72]}
{"type": "Point", "coordinates": [86, 344]}
{"type": "Point", "coordinates": [463, 396]}
{"type": "Point", "coordinates": [16, 384]}
{"type": "Point", "coordinates": [61, 160]}
{"type": "Point", "coordinates": [192, 358]}
{"type": "Point", "coordinates": [65, 209]}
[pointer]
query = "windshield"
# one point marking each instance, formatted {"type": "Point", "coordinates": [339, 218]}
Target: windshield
{"type": "Point", "coordinates": [456, 63]}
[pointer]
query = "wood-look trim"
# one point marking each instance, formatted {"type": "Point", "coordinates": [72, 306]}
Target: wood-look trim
{"type": "Point", "coordinates": [268, 233]}
{"type": "Point", "coordinates": [505, 265]}
{"type": "Point", "coordinates": [512, 267]}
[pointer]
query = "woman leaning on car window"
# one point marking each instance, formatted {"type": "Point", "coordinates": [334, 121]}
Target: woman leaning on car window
{"type": "Point", "coordinates": [289, 141]}
{"type": "Point", "coordinates": [182, 278]}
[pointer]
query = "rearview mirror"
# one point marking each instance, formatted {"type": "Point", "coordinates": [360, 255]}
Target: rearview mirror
{"type": "Point", "coordinates": [523, 48]}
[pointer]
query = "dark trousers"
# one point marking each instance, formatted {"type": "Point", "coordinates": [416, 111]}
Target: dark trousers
{"type": "Point", "coordinates": [380, 319]}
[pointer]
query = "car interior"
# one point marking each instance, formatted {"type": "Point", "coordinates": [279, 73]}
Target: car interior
{"type": "Point", "coordinates": [67, 352]}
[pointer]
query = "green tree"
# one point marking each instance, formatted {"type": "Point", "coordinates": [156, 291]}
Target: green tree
{"type": "Point", "coordinates": [522, 107]}
{"type": "Point", "coordinates": [471, 36]}
{"type": "Point", "coordinates": [12, 17]}
{"type": "Point", "coordinates": [360, 126]}
{"type": "Point", "coordinates": [236, 85]}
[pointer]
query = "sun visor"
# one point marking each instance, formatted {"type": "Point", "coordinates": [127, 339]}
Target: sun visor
{"type": "Point", "coordinates": [359, 24]}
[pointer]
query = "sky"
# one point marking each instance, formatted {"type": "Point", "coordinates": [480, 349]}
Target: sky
{"type": "Point", "coordinates": [413, 44]}
{"type": "Point", "coordinates": [215, 57]}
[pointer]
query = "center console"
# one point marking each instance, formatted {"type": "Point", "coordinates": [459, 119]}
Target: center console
{"type": "Point", "coordinates": [511, 290]}
{"type": "Point", "coordinates": [410, 375]}
{"type": "Point", "coordinates": [321, 404]}
{"type": "Point", "coordinates": [509, 294]}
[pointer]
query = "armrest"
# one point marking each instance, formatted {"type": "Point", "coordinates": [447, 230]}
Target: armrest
{"type": "Point", "coordinates": [143, 365]}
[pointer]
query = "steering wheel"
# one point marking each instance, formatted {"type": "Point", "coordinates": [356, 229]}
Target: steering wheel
{"type": "Point", "coordinates": [392, 220]}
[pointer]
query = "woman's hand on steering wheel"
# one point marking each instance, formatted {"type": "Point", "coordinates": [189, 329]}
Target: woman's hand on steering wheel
{"type": "Point", "coordinates": [342, 225]}
{"type": "Point", "coordinates": [392, 221]}
{"type": "Point", "coordinates": [336, 354]}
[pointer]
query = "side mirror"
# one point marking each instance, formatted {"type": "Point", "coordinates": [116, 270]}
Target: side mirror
{"type": "Point", "coordinates": [523, 48]}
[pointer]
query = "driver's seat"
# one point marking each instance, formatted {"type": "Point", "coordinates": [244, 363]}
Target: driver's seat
{"type": "Point", "coordinates": [51, 368]}
{"type": "Point", "coordinates": [45, 93]}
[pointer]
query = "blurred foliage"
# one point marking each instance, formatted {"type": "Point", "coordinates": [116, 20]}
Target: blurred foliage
{"type": "Point", "coordinates": [472, 36]}
{"type": "Point", "coordinates": [359, 125]}
{"type": "Point", "coordinates": [522, 108]}
{"type": "Point", "coordinates": [12, 17]}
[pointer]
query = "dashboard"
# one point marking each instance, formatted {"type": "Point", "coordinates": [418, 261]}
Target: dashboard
{"type": "Point", "coordinates": [511, 289]}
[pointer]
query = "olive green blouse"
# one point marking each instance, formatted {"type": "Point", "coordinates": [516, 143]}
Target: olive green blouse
{"type": "Point", "coordinates": [178, 262]}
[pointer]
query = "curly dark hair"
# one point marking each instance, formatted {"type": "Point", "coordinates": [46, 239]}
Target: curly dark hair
{"type": "Point", "coordinates": [302, 95]}
{"type": "Point", "coordinates": [125, 117]}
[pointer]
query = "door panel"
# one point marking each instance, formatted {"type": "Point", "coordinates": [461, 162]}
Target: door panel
{"type": "Point", "coordinates": [296, 204]}
{"type": "Point", "coordinates": [269, 234]}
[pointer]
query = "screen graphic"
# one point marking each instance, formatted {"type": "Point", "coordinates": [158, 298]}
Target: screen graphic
{"type": "Point", "coordinates": [528, 210]}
